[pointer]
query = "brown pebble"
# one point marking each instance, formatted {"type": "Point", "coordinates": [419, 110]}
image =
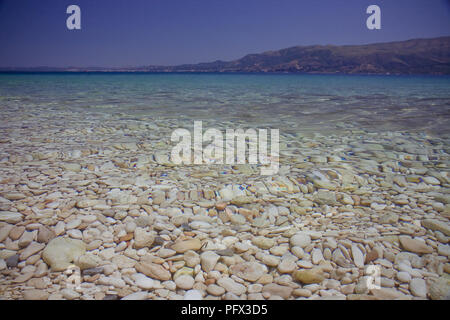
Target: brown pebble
{"type": "Point", "coordinates": [221, 205]}
{"type": "Point", "coordinates": [45, 234]}
{"type": "Point", "coordinates": [16, 232]}
{"type": "Point", "coordinates": [126, 237]}
{"type": "Point", "coordinates": [371, 256]}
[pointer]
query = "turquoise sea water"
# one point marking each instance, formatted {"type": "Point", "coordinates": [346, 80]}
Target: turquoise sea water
{"type": "Point", "coordinates": [319, 102]}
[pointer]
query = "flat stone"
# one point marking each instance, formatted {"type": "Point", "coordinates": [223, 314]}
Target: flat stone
{"type": "Point", "coordinates": [33, 248]}
{"type": "Point", "coordinates": [74, 233]}
{"type": "Point", "coordinates": [444, 249]}
{"type": "Point", "coordinates": [166, 253]}
{"type": "Point", "coordinates": [92, 271]}
{"type": "Point", "coordinates": [158, 197]}
{"type": "Point", "coordinates": [215, 290]}
{"type": "Point", "coordinates": [286, 266]}
{"type": "Point", "coordinates": [437, 225]}
{"type": "Point", "coordinates": [358, 257]}
{"type": "Point", "coordinates": [316, 256]}
{"type": "Point", "coordinates": [23, 277]}
{"type": "Point", "coordinates": [69, 294]}
{"type": "Point", "coordinates": [209, 260]}
{"type": "Point", "coordinates": [263, 242]}
{"type": "Point", "coordinates": [250, 271]}
{"type": "Point", "coordinates": [191, 258]}
{"type": "Point", "coordinates": [35, 294]}
{"type": "Point", "coordinates": [325, 197]}
{"type": "Point", "coordinates": [141, 295]}
{"type": "Point", "coordinates": [10, 217]}
{"type": "Point", "coordinates": [73, 167]}
{"type": "Point", "coordinates": [14, 196]}
{"type": "Point", "coordinates": [123, 262]}
{"type": "Point", "coordinates": [153, 270]}
{"type": "Point", "coordinates": [387, 294]}
{"type": "Point", "coordinates": [404, 277]}
{"type": "Point", "coordinates": [271, 261]}
{"type": "Point", "coordinates": [232, 286]}
{"type": "Point", "coordinates": [26, 238]}
{"type": "Point", "coordinates": [73, 224]}
{"type": "Point", "coordinates": [186, 245]}
{"type": "Point", "coordinates": [4, 232]}
{"type": "Point", "coordinates": [143, 238]}
{"type": "Point", "coordinates": [3, 265]}
{"type": "Point", "coordinates": [12, 261]}
{"type": "Point", "coordinates": [414, 245]}
{"type": "Point", "coordinates": [418, 287]}
{"type": "Point", "coordinates": [431, 180]}
{"type": "Point", "coordinates": [314, 275]}
{"type": "Point", "coordinates": [278, 290]}
{"type": "Point", "coordinates": [112, 281]}
{"type": "Point", "coordinates": [88, 261]}
{"type": "Point", "coordinates": [184, 282]}
{"type": "Point", "coordinates": [372, 255]}
{"type": "Point", "coordinates": [193, 295]}
{"type": "Point", "coordinates": [61, 252]}
{"type": "Point", "coordinates": [300, 239]}
{"type": "Point", "coordinates": [45, 234]}
{"type": "Point", "coordinates": [16, 232]}
{"type": "Point", "coordinates": [143, 282]}
{"type": "Point", "coordinates": [440, 289]}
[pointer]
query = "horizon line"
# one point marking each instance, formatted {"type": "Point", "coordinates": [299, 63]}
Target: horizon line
{"type": "Point", "coordinates": [2, 68]}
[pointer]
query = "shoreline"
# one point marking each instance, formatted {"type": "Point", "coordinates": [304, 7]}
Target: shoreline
{"type": "Point", "coordinates": [151, 230]}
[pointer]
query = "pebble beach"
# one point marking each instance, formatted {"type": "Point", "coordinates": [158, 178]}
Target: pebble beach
{"type": "Point", "coordinates": [92, 208]}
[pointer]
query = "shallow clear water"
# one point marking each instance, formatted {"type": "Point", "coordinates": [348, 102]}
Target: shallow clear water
{"type": "Point", "coordinates": [291, 102]}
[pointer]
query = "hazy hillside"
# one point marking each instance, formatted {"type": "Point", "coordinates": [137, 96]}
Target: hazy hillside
{"type": "Point", "coordinates": [417, 56]}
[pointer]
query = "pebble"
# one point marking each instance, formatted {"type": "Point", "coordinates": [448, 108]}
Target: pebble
{"type": "Point", "coordinates": [317, 256]}
{"type": "Point", "coordinates": [231, 286]}
{"type": "Point", "coordinates": [403, 276]}
{"type": "Point", "coordinates": [438, 225]}
{"type": "Point", "coordinates": [141, 295]}
{"type": "Point", "coordinates": [414, 245]}
{"type": "Point", "coordinates": [209, 260]}
{"type": "Point", "coordinates": [154, 271]}
{"type": "Point", "coordinates": [45, 234]}
{"type": "Point", "coordinates": [440, 289]}
{"type": "Point", "coordinates": [250, 271]}
{"type": "Point", "coordinates": [300, 239]}
{"type": "Point", "coordinates": [69, 294]}
{"type": "Point", "coordinates": [16, 232]}
{"type": "Point", "coordinates": [263, 242]}
{"type": "Point", "coordinates": [35, 294]}
{"type": "Point", "coordinates": [60, 252]}
{"type": "Point", "coordinates": [193, 295]}
{"type": "Point", "coordinates": [186, 245]}
{"type": "Point", "coordinates": [215, 290]}
{"type": "Point", "coordinates": [32, 249]}
{"type": "Point", "coordinates": [143, 282]}
{"type": "Point", "coordinates": [184, 282]}
{"type": "Point", "coordinates": [443, 249]}
{"type": "Point", "coordinates": [275, 289]}
{"type": "Point", "coordinates": [10, 217]}
{"type": "Point", "coordinates": [358, 257]}
{"type": "Point", "coordinates": [12, 261]}
{"type": "Point", "coordinates": [309, 276]}
{"type": "Point", "coordinates": [418, 287]}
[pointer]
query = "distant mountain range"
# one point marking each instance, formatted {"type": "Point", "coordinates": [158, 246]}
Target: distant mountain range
{"type": "Point", "coordinates": [417, 56]}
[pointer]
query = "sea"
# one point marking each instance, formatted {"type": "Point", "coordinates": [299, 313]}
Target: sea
{"type": "Point", "coordinates": [290, 102]}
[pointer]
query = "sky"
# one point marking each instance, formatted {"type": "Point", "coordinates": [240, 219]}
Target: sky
{"type": "Point", "coordinates": [124, 33]}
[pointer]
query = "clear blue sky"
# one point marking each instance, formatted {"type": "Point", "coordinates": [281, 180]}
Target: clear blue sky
{"type": "Point", "coordinates": [169, 32]}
